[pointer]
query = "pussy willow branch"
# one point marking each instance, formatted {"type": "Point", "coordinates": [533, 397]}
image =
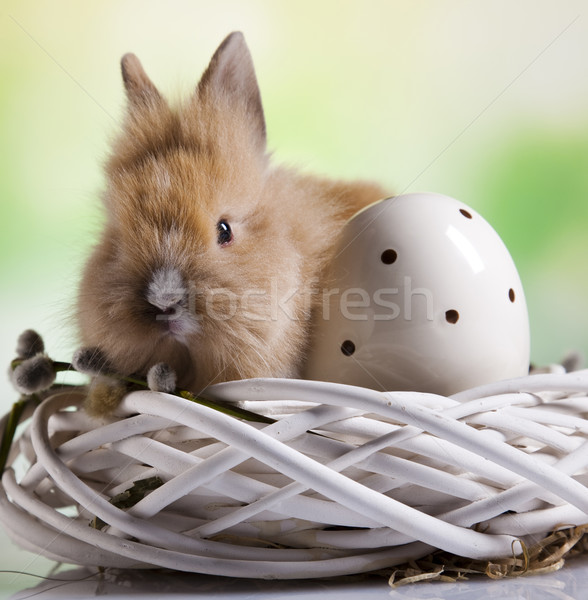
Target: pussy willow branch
{"type": "Point", "coordinates": [233, 411]}
{"type": "Point", "coordinates": [12, 421]}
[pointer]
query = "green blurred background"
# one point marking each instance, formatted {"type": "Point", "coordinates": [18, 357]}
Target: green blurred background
{"type": "Point", "coordinates": [487, 102]}
{"type": "Point", "coordinates": [484, 101]}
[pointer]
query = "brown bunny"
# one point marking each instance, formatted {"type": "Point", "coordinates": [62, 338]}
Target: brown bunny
{"type": "Point", "coordinates": [211, 258]}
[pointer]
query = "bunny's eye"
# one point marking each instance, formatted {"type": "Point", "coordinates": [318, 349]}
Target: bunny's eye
{"type": "Point", "coordinates": [224, 233]}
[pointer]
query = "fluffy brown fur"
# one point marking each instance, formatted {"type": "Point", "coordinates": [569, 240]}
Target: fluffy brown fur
{"type": "Point", "coordinates": [241, 309]}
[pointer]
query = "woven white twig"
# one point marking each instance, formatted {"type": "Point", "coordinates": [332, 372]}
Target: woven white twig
{"type": "Point", "coordinates": [346, 480]}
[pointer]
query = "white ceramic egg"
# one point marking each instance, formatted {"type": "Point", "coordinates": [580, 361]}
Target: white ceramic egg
{"type": "Point", "coordinates": [423, 296]}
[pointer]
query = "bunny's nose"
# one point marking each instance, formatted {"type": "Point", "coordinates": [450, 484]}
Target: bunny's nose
{"type": "Point", "coordinates": [166, 292]}
{"type": "Point", "coordinates": [168, 297]}
{"type": "Point", "coordinates": [166, 312]}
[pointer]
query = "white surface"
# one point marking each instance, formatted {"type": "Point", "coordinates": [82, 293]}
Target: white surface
{"type": "Point", "coordinates": [567, 584]}
{"type": "Point", "coordinates": [427, 296]}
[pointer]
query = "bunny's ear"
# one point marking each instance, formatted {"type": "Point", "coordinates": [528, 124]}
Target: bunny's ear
{"type": "Point", "coordinates": [231, 73]}
{"type": "Point", "coordinates": [140, 89]}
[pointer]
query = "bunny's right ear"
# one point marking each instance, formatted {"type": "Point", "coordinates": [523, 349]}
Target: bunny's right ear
{"type": "Point", "coordinates": [140, 89]}
{"type": "Point", "coordinates": [231, 74]}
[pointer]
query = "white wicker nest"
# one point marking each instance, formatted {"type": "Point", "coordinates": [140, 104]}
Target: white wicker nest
{"type": "Point", "coordinates": [347, 480]}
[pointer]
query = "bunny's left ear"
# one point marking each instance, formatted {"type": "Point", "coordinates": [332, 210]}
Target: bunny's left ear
{"type": "Point", "coordinates": [231, 73]}
{"type": "Point", "coordinates": [140, 89]}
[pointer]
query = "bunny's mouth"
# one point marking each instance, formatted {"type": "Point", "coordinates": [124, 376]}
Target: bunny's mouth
{"type": "Point", "coordinates": [178, 323]}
